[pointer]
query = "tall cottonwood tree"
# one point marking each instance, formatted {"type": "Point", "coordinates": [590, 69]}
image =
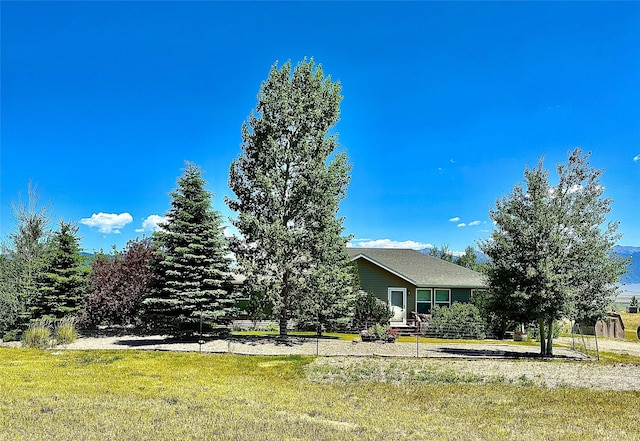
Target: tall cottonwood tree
{"type": "Point", "coordinates": [550, 251]}
{"type": "Point", "coordinates": [192, 264]}
{"type": "Point", "coordinates": [63, 281]}
{"type": "Point", "coordinates": [288, 182]}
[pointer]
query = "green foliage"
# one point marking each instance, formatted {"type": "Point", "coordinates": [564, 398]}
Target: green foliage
{"type": "Point", "coordinates": [258, 306]}
{"type": "Point", "coordinates": [22, 260]}
{"type": "Point", "coordinates": [634, 301]}
{"type": "Point", "coordinates": [288, 183]}
{"type": "Point", "coordinates": [62, 283]}
{"type": "Point", "coordinates": [469, 260]}
{"type": "Point", "coordinates": [11, 306]}
{"type": "Point", "coordinates": [498, 314]}
{"type": "Point", "coordinates": [370, 310]}
{"type": "Point", "coordinates": [38, 335]}
{"type": "Point", "coordinates": [13, 335]}
{"type": "Point", "coordinates": [550, 250]}
{"type": "Point", "coordinates": [65, 331]}
{"type": "Point", "coordinates": [460, 320]}
{"type": "Point", "coordinates": [382, 332]}
{"type": "Point", "coordinates": [443, 253]}
{"type": "Point", "coordinates": [271, 327]}
{"type": "Point", "coordinates": [192, 276]}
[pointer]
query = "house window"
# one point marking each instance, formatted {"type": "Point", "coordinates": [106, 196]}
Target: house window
{"type": "Point", "coordinates": [423, 301]}
{"type": "Point", "coordinates": [443, 297]}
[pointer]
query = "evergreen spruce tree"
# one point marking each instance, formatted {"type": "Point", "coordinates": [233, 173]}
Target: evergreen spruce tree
{"type": "Point", "coordinates": [288, 182]}
{"type": "Point", "coordinates": [192, 263]}
{"type": "Point", "coordinates": [63, 281]}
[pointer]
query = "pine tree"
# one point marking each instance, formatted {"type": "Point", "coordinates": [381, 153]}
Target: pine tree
{"type": "Point", "coordinates": [62, 284]}
{"type": "Point", "coordinates": [192, 263]}
{"type": "Point", "coordinates": [289, 182]}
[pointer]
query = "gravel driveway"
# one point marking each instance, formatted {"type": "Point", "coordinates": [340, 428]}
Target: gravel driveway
{"type": "Point", "coordinates": [326, 347]}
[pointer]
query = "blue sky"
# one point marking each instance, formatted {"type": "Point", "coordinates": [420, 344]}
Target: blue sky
{"type": "Point", "coordinates": [444, 105]}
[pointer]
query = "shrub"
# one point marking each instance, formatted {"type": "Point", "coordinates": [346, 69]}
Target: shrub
{"type": "Point", "coordinates": [13, 335]}
{"type": "Point", "coordinates": [65, 331]}
{"type": "Point", "coordinates": [369, 311]}
{"type": "Point", "coordinates": [271, 327]}
{"type": "Point", "coordinates": [382, 332]}
{"type": "Point", "coordinates": [38, 335]}
{"type": "Point", "coordinates": [460, 320]}
{"type": "Point", "coordinates": [10, 309]}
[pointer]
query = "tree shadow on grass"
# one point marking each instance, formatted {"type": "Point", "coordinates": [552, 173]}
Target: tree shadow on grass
{"type": "Point", "coordinates": [290, 340]}
{"type": "Point", "coordinates": [256, 340]}
{"type": "Point", "coordinates": [499, 353]}
{"type": "Point", "coordinates": [150, 341]}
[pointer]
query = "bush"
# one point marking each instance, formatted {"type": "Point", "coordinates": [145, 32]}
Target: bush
{"type": "Point", "coordinates": [38, 335]}
{"type": "Point", "coordinates": [13, 335]}
{"type": "Point", "coordinates": [370, 310]}
{"type": "Point", "coordinates": [65, 331]}
{"type": "Point", "coordinates": [380, 332]}
{"type": "Point", "coordinates": [10, 309]}
{"type": "Point", "coordinates": [460, 320]}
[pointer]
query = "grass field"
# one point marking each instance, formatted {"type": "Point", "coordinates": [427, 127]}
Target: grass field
{"type": "Point", "coordinates": [631, 323]}
{"type": "Point", "coordinates": [134, 395]}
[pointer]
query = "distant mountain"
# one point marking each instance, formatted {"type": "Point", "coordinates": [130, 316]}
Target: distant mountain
{"type": "Point", "coordinates": [633, 270]}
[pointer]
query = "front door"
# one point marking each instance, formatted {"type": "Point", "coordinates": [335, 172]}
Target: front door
{"type": "Point", "coordinates": [397, 303]}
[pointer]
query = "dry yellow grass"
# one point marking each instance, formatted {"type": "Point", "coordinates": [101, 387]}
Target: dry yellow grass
{"type": "Point", "coordinates": [631, 324]}
{"type": "Point", "coordinates": [134, 395]}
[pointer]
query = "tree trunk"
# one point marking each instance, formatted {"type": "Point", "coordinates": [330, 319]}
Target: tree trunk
{"type": "Point", "coordinates": [550, 339]}
{"type": "Point", "coordinates": [283, 323]}
{"type": "Point", "coordinates": [284, 312]}
{"type": "Point", "coordinates": [543, 349]}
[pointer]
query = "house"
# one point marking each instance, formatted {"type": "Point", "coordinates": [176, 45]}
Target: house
{"type": "Point", "coordinates": [411, 281]}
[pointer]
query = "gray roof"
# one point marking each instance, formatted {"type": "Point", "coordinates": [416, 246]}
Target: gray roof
{"type": "Point", "coordinates": [420, 269]}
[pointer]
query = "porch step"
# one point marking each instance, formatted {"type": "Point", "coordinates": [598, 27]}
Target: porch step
{"type": "Point", "coordinates": [404, 329]}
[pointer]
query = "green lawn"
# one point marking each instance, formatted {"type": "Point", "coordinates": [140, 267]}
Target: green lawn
{"type": "Point", "coordinates": [168, 396]}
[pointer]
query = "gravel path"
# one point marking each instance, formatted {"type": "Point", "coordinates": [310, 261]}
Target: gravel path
{"type": "Point", "coordinates": [326, 347]}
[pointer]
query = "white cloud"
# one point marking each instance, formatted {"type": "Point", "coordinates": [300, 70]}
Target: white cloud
{"type": "Point", "coordinates": [151, 223]}
{"type": "Point", "coordinates": [108, 222]}
{"type": "Point", "coordinates": [636, 158]}
{"type": "Point", "coordinates": [454, 219]}
{"type": "Point", "coordinates": [388, 243]}
{"type": "Point", "coordinates": [470, 224]}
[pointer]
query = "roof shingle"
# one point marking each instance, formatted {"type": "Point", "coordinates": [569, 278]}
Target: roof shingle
{"type": "Point", "coordinates": [420, 269]}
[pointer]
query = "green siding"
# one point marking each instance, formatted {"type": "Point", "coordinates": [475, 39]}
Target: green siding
{"type": "Point", "coordinates": [462, 295]}
{"type": "Point", "coordinates": [377, 280]}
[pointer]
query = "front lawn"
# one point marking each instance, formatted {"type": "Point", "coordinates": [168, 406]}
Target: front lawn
{"type": "Point", "coordinates": [137, 395]}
